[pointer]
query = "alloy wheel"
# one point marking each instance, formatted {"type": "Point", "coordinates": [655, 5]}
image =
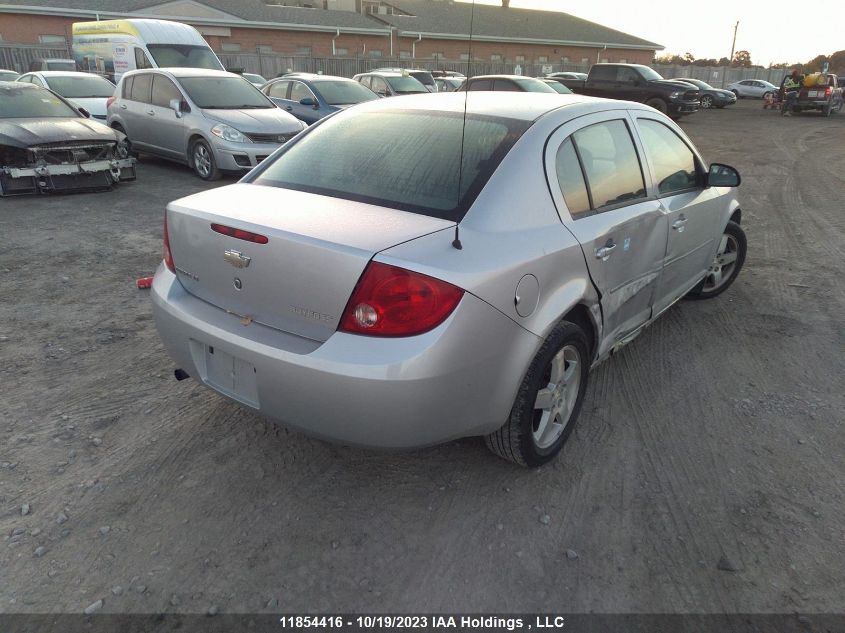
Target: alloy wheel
{"type": "Point", "coordinates": [720, 270]}
{"type": "Point", "coordinates": [556, 400]}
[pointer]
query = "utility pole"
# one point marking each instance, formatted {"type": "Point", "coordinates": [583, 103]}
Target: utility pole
{"type": "Point", "coordinates": [733, 44]}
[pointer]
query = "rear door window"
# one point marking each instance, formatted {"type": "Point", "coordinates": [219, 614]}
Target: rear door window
{"type": "Point", "coordinates": [380, 87]}
{"type": "Point", "coordinates": [141, 88]}
{"type": "Point", "coordinates": [480, 85]}
{"type": "Point", "coordinates": [613, 170]}
{"type": "Point", "coordinates": [603, 73]}
{"type": "Point", "coordinates": [127, 87]}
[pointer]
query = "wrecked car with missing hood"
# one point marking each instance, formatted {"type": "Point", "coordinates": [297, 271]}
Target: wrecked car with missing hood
{"type": "Point", "coordinates": [47, 145]}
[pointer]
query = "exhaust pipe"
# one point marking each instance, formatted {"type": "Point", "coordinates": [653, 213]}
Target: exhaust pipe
{"type": "Point", "coordinates": [180, 374]}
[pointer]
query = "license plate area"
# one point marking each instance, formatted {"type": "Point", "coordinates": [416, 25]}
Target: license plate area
{"type": "Point", "coordinates": [813, 93]}
{"type": "Point", "coordinates": [228, 374]}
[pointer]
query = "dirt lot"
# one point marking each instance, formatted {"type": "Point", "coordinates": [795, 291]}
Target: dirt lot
{"type": "Point", "coordinates": [717, 435]}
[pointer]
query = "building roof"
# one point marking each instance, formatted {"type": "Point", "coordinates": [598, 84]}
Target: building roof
{"type": "Point", "coordinates": [223, 12]}
{"type": "Point", "coordinates": [446, 19]}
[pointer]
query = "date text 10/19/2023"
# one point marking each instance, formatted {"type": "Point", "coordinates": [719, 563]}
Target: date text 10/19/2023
{"type": "Point", "coordinates": [338, 622]}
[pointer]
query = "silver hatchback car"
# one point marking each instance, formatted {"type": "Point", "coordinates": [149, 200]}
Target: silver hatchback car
{"type": "Point", "coordinates": [212, 120]}
{"type": "Point", "coordinates": [378, 282]}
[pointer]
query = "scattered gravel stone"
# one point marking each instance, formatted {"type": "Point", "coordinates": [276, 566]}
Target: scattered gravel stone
{"type": "Point", "coordinates": [140, 588]}
{"type": "Point", "coordinates": [71, 454]}
{"type": "Point", "coordinates": [174, 600]}
{"type": "Point", "coordinates": [213, 610]}
{"type": "Point", "coordinates": [117, 590]}
{"type": "Point", "coordinates": [545, 519]}
{"type": "Point", "coordinates": [500, 526]}
{"type": "Point", "coordinates": [52, 573]}
{"type": "Point", "coordinates": [62, 518]}
{"type": "Point", "coordinates": [726, 564]}
{"type": "Point", "coordinates": [272, 603]}
{"type": "Point", "coordinates": [94, 607]}
{"type": "Point", "coordinates": [40, 551]}
{"type": "Point", "coordinates": [35, 531]}
{"type": "Point", "coordinates": [96, 441]}
{"type": "Point", "coordinates": [802, 441]}
{"type": "Point", "coordinates": [18, 530]}
{"type": "Point", "coordinates": [25, 509]}
{"type": "Point", "coordinates": [105, 529]}
{"type": "Point", "coordinates": [65, 533]}
{"type": "Point", "coordinates": [335, 544]}
{"type": "Point", "coordinates": [571, 554]}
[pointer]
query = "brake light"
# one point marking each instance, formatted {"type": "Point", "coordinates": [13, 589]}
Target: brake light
{"type": "Point", "coordinates": [239, 234]}
{"type": "Point", "coordinates": [109, 101]}
{"type": "Point", "coordinates": [827, 91]}
{"type": "Point", "coordinates": [168, 256]}
{"type": "Point", "coordinates": [392, 301]}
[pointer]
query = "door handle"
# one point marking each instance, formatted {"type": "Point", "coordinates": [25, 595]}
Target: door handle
{"type": "Point", "coordinates": [678, 224]}
{"type": "Point", "coordinates": [604, 252]}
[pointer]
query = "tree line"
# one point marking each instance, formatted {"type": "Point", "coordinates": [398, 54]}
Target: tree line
{"type": "Point", "coordinates": [742, 59]}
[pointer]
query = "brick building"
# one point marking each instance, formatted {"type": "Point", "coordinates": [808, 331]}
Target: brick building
{"type": "Point", "coordinates": [422, 30]}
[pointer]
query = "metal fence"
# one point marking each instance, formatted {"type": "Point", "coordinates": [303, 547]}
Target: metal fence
{"type": "Point", "coordinates": [721, 76]}
{"type": "Point", "coordinates": [18, 57]}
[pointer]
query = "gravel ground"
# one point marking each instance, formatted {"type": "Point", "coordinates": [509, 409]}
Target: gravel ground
{"type": "Point", "coordinates": [706, 473]}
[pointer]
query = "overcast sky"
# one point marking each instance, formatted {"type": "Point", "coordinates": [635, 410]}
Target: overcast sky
{"type": "Point", "coordinates": [770, 31]}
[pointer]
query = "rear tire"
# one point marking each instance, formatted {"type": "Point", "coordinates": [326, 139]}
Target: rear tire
{"type": "Point", "coordinates": [548, 402]}
{"type": "Point", "coordinates": [658, 104]}
{"type": "Point", "coordinates": [726, 266]}
{"type": "Point", "coordinates": [202, 160]}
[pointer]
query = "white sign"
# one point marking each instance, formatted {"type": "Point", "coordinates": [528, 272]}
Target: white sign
{"type": "Point", "coordinates": [546, 69]}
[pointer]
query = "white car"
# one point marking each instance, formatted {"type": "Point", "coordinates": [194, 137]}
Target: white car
{"type": "Point", "coordinates": [755, 88]}
{"type": "Point", "coordinates": [83, 90]}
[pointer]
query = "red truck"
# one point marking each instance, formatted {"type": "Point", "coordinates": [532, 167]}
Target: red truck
{"type": "Point", "coordinates": [826, 98]}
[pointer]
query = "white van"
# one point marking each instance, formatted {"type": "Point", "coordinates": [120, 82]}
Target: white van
{"type": "Point", "coordinates": [113, 47]}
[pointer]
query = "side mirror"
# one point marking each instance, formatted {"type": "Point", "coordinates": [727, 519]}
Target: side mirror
{"type": "Point", "coordinates": [180, 107]}
{"type": "Point", "coordinates": [723, 176]}
{"type": "Point", "coordinates": [84, 113]}
{"type": "Point", "coordinates": [308, 101]}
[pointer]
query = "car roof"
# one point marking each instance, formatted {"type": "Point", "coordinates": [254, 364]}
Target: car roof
{"type": "Point", "coordinates": [18, 85]}
{"type": "Point", "coordinates": [382, 73]}
{"type": "Point", "coordinates": [513, 105]}
{"type": "Point", "coordinates": [61, 73]}
{"type": "Point", "coordinates": [186, 72]}
{"type": "Point", "coordinates": [501, 77]}
{"type": "Point", "coordinates": [315, 78]}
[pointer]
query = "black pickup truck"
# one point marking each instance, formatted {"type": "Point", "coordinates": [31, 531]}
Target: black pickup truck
{"type": "Point", "coordinates": [633, 82]}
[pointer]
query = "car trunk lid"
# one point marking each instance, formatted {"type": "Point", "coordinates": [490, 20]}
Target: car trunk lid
{"type": "Point", "coordinates": [300, 280]}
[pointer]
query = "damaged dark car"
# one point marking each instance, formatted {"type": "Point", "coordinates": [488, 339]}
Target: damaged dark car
{"type": "Point", "coordinates": [47, 145]}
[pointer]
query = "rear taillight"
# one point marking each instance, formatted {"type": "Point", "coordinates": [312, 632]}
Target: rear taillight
{"type": "Point", "coordinates": [109, 101]}
{"type": "Point", "coordinates": [392, 301]}
{"type": "Point", "coordinates": [827, 92]}
{"type": "Point", "coordinates": [168, 256]}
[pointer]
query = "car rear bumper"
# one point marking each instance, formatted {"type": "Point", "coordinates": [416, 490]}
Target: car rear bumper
{"type": "Point", "coordinates": [457, 380]}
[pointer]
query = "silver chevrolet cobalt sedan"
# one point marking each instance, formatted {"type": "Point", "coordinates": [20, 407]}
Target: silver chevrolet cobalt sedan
{"type": "Point", "coordinates": [419, 269]}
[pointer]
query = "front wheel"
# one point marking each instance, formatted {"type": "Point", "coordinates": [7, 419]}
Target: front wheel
{"type": "Point", "coordinates": [658, 104]}
{"type": "Point", "coordinates": [706, 102]}
{"type": "Point", "coordinates": [767, 95]}
{"type": "Point", "coordinates": [726, 266]}
{"type": "Point", "coordinates": [548, 401]}
{"type": "Point", "coordinates": [202, 160]}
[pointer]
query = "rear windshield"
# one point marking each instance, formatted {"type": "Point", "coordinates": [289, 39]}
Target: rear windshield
{"type": "Point", "coordinates": [66, 65]}
{"type": "Point", "coordinates": [81, 87]}
{"type": "Point", "coordinates": [224, 93]}
{"type": "Point", "coordinates": [32, 103]}
{"type": "Point", "coordinates": [344, 92]}
{"type": "Point", "coordinates": [184, 56]}
{"type": "Point", "coordinates": [533, 85]}
{"type": "Point", "coordinates": [403, 159]}
{"type": "Point", "coordinates": [423, 77]}
{"type": "Point", "coordinates": [405, 85]}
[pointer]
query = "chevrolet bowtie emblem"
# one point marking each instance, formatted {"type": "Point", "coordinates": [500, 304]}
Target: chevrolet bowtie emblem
{"type": "Point", "coordinates": [236, 258]}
